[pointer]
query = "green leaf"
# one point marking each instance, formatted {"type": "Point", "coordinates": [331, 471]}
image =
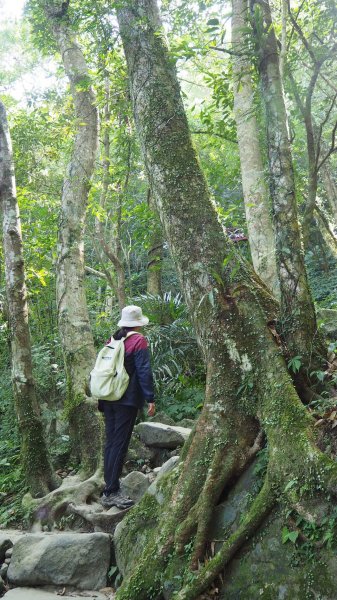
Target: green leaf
{"type": "Point", "coordinates": [292, 536]}
{"type": "Point", "coordinates": [290, 484]}
{"type": "Point", "coordinates": [213, 22]}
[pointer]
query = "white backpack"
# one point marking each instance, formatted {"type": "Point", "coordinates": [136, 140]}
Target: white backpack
{"type": "Point", "coordinates": [109, 379]}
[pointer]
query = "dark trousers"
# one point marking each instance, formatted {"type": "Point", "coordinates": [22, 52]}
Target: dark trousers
{"type": "Point", "coordinates": [119, 423]}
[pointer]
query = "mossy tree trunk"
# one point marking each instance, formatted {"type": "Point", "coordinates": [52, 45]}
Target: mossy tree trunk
{"type": "Point", "coordinates": [73, 318]}
{"type": "Point", "coordinates": [254, 182]}
{"type": "Point", "coordinates": [298, 319]}
{"type": "Point", "coordinates": [37, 467]}
{"type": "Point", "coordinates": [248, 385]}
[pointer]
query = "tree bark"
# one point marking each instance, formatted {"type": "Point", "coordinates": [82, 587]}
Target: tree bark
{"type": "Point", "coordinates": [298, 319]}
{"type": "Point", "coordinates": [73, 318]}
{"type": "Point", "coordinates": [37, 467]}
{"type": "Point", "coordinates": [113, 250]}
{"type": "Point", "coordinates": [330, 188]}
{"type": "Point", "coordinates": [255, 189]}
{"type": "Point", "coordinates": [246, 375]}
{"type": "Point", "coordinates": [155, 253]}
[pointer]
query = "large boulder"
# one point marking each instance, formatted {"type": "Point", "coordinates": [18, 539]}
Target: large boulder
{"type": "Point", "coordinates": [159, 435]}
{"type": "Point", "coordinates": [80, 560]}
{"type": "Point", "coordinates": [266, 567]}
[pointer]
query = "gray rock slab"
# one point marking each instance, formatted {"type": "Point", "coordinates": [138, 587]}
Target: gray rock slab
{"type": "Point", "coordinates": [135, 485]}
{"type": "Point", "coordinates": [43, 594]}
{"type": "Point", "coordinates": [159, 435]}
{"type": "Point", "coordinates": [67, 559]}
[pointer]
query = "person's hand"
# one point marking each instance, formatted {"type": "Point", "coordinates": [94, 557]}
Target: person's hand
{"type": "Point", "coordinates": [151, 409]}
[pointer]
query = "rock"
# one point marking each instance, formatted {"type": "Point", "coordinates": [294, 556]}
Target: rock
{"type": "Point", "coordinates": [138, 453]}
{"type": "Point", "coordinates": [9, 552]}
{"type": "Point", "coordinates": [80, 560]}
{"type": "Point", "coordinates": [267, 568]}
{"type": "Point", "coordinates": [7, 561]}
{"type": "Point", "coordinates": [5, 544]}
{"type": "Point", "coordinates": [161, 455]}
{"type": "Point", "coordinates": [3, 570]}
{"type": "Point", "coordinates": [162, 436]}
{"type": "Point", "coordinates": [162, 417]}
{"type": "Point", "coordinates": [135, 485]}
{"type": "Point", "coordinates": [50, 594]}
{"type": "Point", "coordinates": [153, 489]}
{"type": "Point", "coordinates": [2, 585]}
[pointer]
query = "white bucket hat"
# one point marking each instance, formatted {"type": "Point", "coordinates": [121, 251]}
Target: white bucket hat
{"type": "Point", "coordinates": [132, 316]}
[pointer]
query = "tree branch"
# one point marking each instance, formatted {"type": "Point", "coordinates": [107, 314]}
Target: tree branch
{"type": "Point", "coordinates": [220, 135]}
{"type": "Point", "coordinates": [95, 272]}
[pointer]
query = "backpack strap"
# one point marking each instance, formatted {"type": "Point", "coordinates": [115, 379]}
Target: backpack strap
{"type": "Point", "coordinates": [122, 339]}
{"type": "Point", "coordinates": [129, 334]}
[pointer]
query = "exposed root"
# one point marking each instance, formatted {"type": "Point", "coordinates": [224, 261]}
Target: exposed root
{"type": "Point", "coordinates": [73, 491]}
{"type": "Point", "coordinates": [259, 510]}
{"type": "Point", "coordinates": [199, 518]}
{"type": "Point", "coordinates": [101, 520]}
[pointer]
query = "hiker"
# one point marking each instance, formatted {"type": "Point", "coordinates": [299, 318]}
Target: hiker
{"type": "Point", "coordinates": [120, 415]}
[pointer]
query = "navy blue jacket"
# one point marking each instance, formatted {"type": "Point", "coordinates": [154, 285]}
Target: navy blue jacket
{"type": "Point", "coordinates": [138, 367]}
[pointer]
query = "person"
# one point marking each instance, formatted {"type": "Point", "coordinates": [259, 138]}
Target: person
{"type": "Point", "coordinates": [120, 415]}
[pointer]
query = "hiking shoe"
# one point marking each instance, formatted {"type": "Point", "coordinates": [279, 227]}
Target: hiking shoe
{"type": "Point", "coordinates": [116, 499]}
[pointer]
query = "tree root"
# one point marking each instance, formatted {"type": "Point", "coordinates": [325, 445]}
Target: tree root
{"type": "Point", "coordinates": [72, 492]}
{"type": "Point", "coordinates": [200, 515]}
{"type": "Point", "coordinates": [259, 510]}
{"type": "Point", "coordinates": [101, 520]}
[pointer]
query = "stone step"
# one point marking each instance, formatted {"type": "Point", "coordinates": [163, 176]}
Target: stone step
{"type": "Point", "coordinates": [26, 593]}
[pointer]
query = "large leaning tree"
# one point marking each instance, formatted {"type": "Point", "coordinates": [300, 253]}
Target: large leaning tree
{"type": "Point", "coordinates": [36, 462]}
{"type": "Point", "coordinates": [248, 385]}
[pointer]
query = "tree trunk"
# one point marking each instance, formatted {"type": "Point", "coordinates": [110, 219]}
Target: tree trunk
{"type": "Point", "coordinates": [37, 468]}
{"type": "Point", "coordinates": [330, 188]}
{"type": "Point", "coordinates": [113, 249]}
{"type": "Point", "coordinates": [298, 320]}
{"type": "Point", "coordinates": [155, 254]}
{"type": "Point", "coordinates": [255, 190]}
{"type": "Point", "coordinates": [246, 374]}
{"type": "Point", "coordinates": [73, 318]}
